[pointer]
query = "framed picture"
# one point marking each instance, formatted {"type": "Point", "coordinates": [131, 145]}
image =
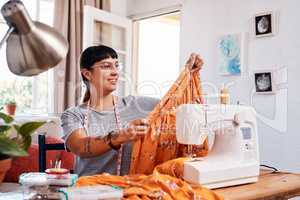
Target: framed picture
{"type": "Point", "coordinates": [264, 24]}
{"type": "Point", "coordinates": [231, 53]}
{"type": "Point", "coordinates": [264, 81]}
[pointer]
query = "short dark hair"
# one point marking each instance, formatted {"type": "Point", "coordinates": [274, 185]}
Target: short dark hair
{"type": "Point", "coordinates": [94, 54]}
{"type": "Point", "coordinates": [89, 57]}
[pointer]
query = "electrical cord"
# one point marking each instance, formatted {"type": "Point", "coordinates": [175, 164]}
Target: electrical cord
{"type": "Point", "coordinates": [270, 167]}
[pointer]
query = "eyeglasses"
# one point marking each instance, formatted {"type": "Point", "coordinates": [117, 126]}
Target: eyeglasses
{"type": "Point", "coordinates": [108, 66]}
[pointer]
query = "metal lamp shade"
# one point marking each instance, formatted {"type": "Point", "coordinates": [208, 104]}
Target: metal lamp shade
{"type": "Point", "coordinates": [32, 47]}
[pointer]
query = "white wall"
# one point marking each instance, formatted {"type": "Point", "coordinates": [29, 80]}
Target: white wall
{"type": "Point", "coordinates": [119, 7]}
{"type": "Point", "coordinates": [137, 7]}
{"type": "Point", "coordinates": [203, 21]}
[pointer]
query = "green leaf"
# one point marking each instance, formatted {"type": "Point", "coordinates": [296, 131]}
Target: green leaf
{"type": "Point", "coordinates": [29, 128]}
{"type": "Point", "coordinates": [17, 127]}
{"type": "Point", "coordinates": [7, 119]}
{"type": "Point", "coordinates": [26, 142]}
{"type": "Point", "coordinates": [11, 148]}
{"type": "Point", "coordinates": [4, 128]}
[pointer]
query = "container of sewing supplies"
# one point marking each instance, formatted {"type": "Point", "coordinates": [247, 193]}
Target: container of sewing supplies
{"type": "Point", "coordinates": [37, 185]}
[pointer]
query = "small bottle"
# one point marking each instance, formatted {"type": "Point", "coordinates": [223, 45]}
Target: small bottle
{"type": "Point", "coordinates": [224, 96]}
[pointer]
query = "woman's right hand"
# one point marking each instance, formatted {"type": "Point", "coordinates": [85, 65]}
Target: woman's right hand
{"type": "Point", "coordinates": [133, 131]}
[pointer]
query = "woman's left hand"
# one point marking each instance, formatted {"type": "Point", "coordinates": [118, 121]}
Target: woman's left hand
{"type": "Point", "coordinates": [134, 130]}
{"type": "Point", "coordinates": [194, 62]}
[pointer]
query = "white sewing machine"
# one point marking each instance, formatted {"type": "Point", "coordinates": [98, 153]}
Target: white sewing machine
{"type": "Point", "coordinates": [232, 135]}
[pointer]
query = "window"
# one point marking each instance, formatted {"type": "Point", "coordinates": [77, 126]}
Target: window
{"type": "Point", "coordinates": [158, 54]}
{"type": "Point", "coordinates": [30, 93]}
{"type": "Point", "coordinates": [101, 27]}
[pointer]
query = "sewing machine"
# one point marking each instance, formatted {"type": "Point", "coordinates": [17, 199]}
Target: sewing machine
{"type": "Point", "coordinates": [233, 142]}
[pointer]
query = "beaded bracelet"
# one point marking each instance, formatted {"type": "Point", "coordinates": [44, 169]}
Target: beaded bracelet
{"type": "Point", "coordinates": [110, 142]}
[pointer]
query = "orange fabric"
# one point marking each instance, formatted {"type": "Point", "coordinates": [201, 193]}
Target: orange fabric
{"type": "Point", "coordinates": [164, 183]}
{"type": "Point", "coordinates": [159, 144]}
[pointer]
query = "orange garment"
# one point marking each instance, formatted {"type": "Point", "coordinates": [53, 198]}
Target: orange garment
{"type": "Point", "coordinates": [159, 144]}
{"type": "Point", "coordinates": [164, 184]}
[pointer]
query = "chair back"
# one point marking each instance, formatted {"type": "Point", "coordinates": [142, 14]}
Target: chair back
{"type": "Point", "coordinates": [44, 147]}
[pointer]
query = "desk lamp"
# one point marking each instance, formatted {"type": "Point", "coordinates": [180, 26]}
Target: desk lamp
{"type": "Point", "coordinates": [32, 47]}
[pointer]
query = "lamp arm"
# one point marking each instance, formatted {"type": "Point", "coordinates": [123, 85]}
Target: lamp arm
{"type": "Point", "coordinates": [9, 31]}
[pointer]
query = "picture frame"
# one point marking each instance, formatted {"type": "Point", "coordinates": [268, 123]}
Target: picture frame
{"type": "Point", "coordinates": [231, 53]}
{"type": "Point", "coordinates": [265, 24]}
{"type": "Point", "coordinates": [264, 81]}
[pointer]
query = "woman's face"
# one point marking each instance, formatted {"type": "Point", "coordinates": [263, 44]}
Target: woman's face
{"type": "Point", "coordinates": [104, 75]}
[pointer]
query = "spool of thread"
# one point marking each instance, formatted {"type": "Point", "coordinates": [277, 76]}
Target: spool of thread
{"type": "Point", "coordinates": [224, 96]}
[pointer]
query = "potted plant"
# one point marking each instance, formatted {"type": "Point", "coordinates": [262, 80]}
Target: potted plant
{"type": "Point", "coordinates": [10, 107]}
{"type": "Point", "coordinates": [14, 146]}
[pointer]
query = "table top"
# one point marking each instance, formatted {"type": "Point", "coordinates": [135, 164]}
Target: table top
{"type": "Point", "coordinates": [270, 186]}
{"type": "Point", "coordinates": [9, 187]}
{"type": "Point", "coordinates": [10, 191]}
{"type": "Point", "coordinates": [279, 185]}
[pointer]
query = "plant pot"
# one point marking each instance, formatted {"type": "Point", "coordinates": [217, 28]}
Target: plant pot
{"type": "Point", "coordinates": [4, 167]}
{"type": "Point", "coordinates": [10, 109]}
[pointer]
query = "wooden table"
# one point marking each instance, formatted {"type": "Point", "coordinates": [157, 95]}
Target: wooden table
{"type": "Point", "coordinates": [270, 186]}
{"type": "Point", "coordinates": [276, 186]}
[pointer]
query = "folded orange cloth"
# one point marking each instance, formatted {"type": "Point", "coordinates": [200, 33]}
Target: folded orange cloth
{"type": "Point", "coordinates": [165, 183]}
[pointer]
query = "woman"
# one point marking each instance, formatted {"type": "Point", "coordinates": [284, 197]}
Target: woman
{"type": "Point", "coordinates": [101, 130]}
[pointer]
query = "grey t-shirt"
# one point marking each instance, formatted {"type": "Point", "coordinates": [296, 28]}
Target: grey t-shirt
{"type": "Point", "coordinates": [100, 124]}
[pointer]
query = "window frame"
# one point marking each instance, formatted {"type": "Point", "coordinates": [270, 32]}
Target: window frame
{"type": "Point", "coordinates": [92, 15]}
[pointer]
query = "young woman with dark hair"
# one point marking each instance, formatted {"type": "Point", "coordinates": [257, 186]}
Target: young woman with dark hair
{"type": "Point", "coordinates": [101, 130]}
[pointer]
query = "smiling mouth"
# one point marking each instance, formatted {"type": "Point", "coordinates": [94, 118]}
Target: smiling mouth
{"type": "Point", "coordinates": [113, 81]}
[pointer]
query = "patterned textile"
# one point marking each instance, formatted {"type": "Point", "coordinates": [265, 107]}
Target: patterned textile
{"type": "Point", "coordinates": [163, 184]}
{"type": "Point", "coordinates": [159, 144]}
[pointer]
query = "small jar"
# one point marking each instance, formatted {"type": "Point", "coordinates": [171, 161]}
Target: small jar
{"type": "Point", "coordinates": [34, 185]}
{"type": "Point", "coordinates": [224, 96]}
